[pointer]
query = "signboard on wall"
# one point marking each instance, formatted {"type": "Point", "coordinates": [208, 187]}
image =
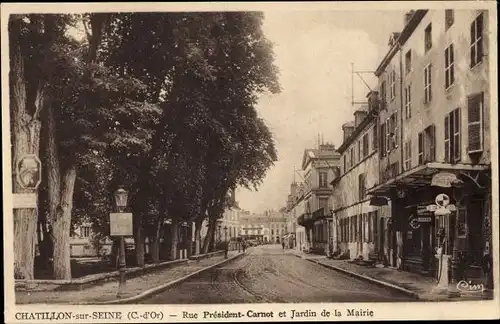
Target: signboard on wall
{"type": "Point", "coordinates": [29, 171]}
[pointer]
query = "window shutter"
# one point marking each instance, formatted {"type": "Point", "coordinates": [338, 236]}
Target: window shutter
{"type": "Point", "coordinates": [432, 144]}
{"type": "Point", "coordinates": [457, 152]}
{"type": "Point", "coordinates": [475, 124]}
{"type": "Point", "coordinates": [375, 137]}
{"type": "Point", "coordinates": [447, 138]}
{"type": "Point", "coordinates": [420, 148]}
{"type": "Point", "coordinates": [479, 37]}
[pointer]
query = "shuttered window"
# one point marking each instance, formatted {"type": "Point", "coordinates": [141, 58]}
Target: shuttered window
{"type": "Point", "coordinates": [428, 83]}
{"type": "Point", "coordinates": [449, 67]}
{"type": "Point", "coordinates": [452, 141]}
{"type": "Point", "coordinates": [420, 148]}
{"type": "Point", "coordinates": [375, 137]}
{"type": "Point", "coordinates": [475, 123]}
{"type": "Point", "coordinates": [476, 41]}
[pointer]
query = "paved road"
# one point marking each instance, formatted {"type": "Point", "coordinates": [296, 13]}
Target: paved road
{"type": "Point", "coordinates": [269, 274]}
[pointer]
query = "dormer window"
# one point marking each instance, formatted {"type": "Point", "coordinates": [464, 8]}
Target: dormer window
{"type": "Point", "coordinates": [428, 37]}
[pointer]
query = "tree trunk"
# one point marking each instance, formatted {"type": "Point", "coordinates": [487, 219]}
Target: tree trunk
{"type": "Point", "coordinates": [189, 240]}
{"type": "Point", "coordinates": [174, 238]}
{"type": "Point", "coordinates": [209, 239]}
{"type": "Point", "coordinates": [197, 236]}
{"type": "Point", "coordinates": [25, 137]}
{"type": "Point", "coordinates": [62, 226]}
{"type": "Point", "coordinates": [155, 244]}
{"type": "Point", "coordinates": [139, 240]}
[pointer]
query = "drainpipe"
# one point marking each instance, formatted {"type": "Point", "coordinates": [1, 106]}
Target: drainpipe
{"type": "Point", "coordinates": [401, 146]}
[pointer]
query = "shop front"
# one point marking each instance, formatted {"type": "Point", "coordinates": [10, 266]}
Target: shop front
{"type": "Point", "coordinates": [441, 206]}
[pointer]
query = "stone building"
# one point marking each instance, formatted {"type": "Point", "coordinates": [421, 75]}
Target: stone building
{"type": "Point", "coordinates": [438, 141]}
{"type": "Point", "coordinates": [358, 227]}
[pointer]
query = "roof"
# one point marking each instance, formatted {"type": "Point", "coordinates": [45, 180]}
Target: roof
{"type": "Point", "coordinates": [401, 39]}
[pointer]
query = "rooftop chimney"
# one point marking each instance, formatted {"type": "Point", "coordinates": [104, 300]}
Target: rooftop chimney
{"type": "Point", "coordinates": [359, 115]}
{"type": "Point", "coordinates": [348, 128]}
{"type": "Point", "coordinates": [408, 16]}
{"type": "Point", "coordinates": [327, 147]}
{"type": "Point", "coordinates": [373, 98]}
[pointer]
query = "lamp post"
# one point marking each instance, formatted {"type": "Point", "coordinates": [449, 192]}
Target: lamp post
{"type": "Point", "coordinates": [121, 196]}
{"type": "Point", "coordinates": [226, 245]}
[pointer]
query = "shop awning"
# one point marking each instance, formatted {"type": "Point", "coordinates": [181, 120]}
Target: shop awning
{"type": "Point", "coordinates": [421, 176]}
{"type": "Point", "coordinates": [305, 219]}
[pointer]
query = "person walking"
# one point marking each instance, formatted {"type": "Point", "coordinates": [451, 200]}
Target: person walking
{"type": "Point", "coordinates": [283, 244]}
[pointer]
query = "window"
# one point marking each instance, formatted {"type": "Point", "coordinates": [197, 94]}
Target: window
{"type": "Point", "coordinates": [427, 145]}
{"type": "Point", "coordinates": [388, 128]}
{"type": "Point", "coordinates": [476, 41]}
{"type": "Point", "coordinates": [475, 123]}
{"type": "Point", "coordinates": [408, 101]}
{"type": "Point", "coordinates": [375, 137]}
{"type": "Point", "coordinates": [393, 84]}
{"type": "Point", "coordinates": [449, 17]}
{"type": "Point", "coordinates": [352, 157]}
{"type": "Point", "coordinates": [427, 84]}
{"type": "Point", "coordinates": [452, 144]}
{"type": "Point", "coordinates": [365, 145]}
{"type": "Point", "coordinates": [392, 131]}
{"type": "Point", "coordinates": [428, 37]}
{"type": "Point", "coordinates": [345, 163]}
{"type": "Point", "coordinates": [383, 149]}
{"type": "Point", "coordinates": [362, 189]}
{"type": "Point", "coordinates": [407, 156]}
{"type": "Point", "coordinates": [85, 231]}
{"type": "Point", "coordinates": [383, 95]}
{"type": "Point", "coordinates": [408, 61]}
{"type": "Point", "coordinates": [359, 152]}
{"type": "Point", "coordinates": [323, 203]}
{"type": "Point", "coordinates": [449, 67]}
{"type": "Point", "coordinates": [323, 179]}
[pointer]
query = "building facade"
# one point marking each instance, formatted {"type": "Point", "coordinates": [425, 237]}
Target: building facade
{"type": "Point", "coordinates": [314, 199]}
{"type": "Point", "coordinates": [269, 227]}
{"type": "Point", "coordinates": [358, 226]}
{"type": "Point", "coordinates": [441, 141]}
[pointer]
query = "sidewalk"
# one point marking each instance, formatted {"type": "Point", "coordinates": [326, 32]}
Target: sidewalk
{"type": "Point", "coordinates": [136, 288]}
{"type": "Point", "coordinates": [415, 285]}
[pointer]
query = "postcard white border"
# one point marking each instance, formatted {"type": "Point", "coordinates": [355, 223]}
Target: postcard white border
{"type": "Point", "coordinates": [383, 311]}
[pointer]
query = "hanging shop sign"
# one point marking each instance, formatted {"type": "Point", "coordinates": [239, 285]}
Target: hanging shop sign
{"type": "Point", "coordinates": [413, 222]}
{"type": "Point", "coordinates": [442, 200]}
{"type": "Point", "coordinates": [444, 180]}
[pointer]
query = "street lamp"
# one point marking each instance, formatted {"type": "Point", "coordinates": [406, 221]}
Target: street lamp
{"type": "Point", "coordinates": [226, 247]}
{"type": "Point", "coordinates": [121, 196]}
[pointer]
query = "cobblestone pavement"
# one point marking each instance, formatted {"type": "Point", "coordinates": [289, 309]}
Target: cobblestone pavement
{"type": "Point", "coordinates": [269, 274]}
{"type": "Point", "coordinates": [107, 291]}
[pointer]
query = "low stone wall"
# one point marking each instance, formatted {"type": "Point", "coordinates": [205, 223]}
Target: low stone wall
{"type": "Point", "coordinates": [90, 280]}
{"type": "Point", "coordinates": [206, 255]}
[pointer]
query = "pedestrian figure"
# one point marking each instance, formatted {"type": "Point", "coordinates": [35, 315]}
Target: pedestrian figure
{"type": "Point", "coordinates": [244, 246]}
{"type": "Point", "coordinates": [283, 245]}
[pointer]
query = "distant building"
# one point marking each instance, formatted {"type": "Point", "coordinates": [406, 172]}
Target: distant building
{"type": "Point", "coordinates": [310, 203]}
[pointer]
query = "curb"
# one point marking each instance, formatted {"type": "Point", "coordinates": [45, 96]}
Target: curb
{"type": "Point", "coordinates": [373, 280]}
{"type": "Point", "coordinates": [160, 288]}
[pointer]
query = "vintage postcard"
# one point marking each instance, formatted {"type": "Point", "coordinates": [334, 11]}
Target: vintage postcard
{"type": "Point", "coordinates": [285, 161]}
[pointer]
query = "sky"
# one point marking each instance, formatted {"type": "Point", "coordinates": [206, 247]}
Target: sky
{"type": "Point", "coordinates": [314, 51]}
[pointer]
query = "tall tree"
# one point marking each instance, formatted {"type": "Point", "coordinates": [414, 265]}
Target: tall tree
{"type": "Point", "coordinates": [31, 43]}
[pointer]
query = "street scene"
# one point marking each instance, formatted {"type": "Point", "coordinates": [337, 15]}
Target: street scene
{"type": "Point", "coordinates": [234, 157]}
{"type": "Point", "coordinates": [270, 275]}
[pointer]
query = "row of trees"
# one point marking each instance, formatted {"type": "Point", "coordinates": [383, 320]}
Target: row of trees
{"type": "Point", "coordinates": [160, 103]}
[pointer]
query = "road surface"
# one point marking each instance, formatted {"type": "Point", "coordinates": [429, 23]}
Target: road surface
{"type": "Point", "coordinates": [270, 275]}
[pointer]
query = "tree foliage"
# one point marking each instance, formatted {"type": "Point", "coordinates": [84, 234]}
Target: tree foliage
{"type": "Point", "coordinates": [163, 104]}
